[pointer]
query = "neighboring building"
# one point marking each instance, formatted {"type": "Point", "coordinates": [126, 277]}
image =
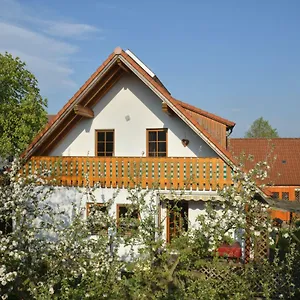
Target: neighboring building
{"type": "Point", "coordinates": [283, 155]}
{"type": "Point", "coordinates": [123, 117]}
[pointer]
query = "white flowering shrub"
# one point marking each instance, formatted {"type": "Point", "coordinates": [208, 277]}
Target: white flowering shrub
{"type": "Point", "coordinates": [238, 210]}
{"type": "Point", "coordinates": [45, 258]}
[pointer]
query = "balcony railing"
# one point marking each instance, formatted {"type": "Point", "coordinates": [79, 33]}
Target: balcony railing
{"type": "Point", "coordinates": [164, 173]}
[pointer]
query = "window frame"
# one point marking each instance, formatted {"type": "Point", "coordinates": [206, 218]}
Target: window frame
{"type": "Point", "coordinates": [285, 195]}
{"type": "Point", "coordinates": [96, 142]}
{"type": "Point", "coordinates": [104, 230]}
{"type": "Point", "coordinates": [148, 130]}
{"type": "Point", "coordinates": [297, 195]}
{"type": "Point", "coordinates": [7, 226]}
{"type": "Point", "coordinates": [125, 231]}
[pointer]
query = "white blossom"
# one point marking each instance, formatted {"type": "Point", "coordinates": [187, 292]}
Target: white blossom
{"type": "Point", "coordinates": [286, 235]}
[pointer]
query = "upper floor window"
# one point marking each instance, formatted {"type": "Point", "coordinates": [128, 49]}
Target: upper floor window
{"type": "Point", "coordinates": [157, 142]}
{"type": "Point", "coordinates": [105, 140]}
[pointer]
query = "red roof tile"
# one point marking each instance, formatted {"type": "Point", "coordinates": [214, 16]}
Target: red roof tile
{"type": "Point", "coordinates": [50, 117]}
{"type": "Point", "coordinates": [286, 151]}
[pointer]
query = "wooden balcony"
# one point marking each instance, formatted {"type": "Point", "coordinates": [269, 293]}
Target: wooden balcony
{"type": "Point", "coordinates": [123, 172]}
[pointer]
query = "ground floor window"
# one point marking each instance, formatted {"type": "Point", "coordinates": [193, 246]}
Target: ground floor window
{"type": "Point", "coordinates": [6, 226]}
{"type": "Point", "coordinates": [128, 218]}
{"type": "Point", "coordinates": [97, 217]}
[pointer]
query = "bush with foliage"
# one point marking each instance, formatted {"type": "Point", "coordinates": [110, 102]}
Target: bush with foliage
{"type": "Point", "coordinates": [43, 258]}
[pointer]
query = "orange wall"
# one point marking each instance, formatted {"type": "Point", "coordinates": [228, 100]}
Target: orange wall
{"type": "Point", "coordinates": [285, 216]}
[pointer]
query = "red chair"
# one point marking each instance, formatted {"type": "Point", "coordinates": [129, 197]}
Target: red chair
{"type": "Point", "coordinates": [230, 251]}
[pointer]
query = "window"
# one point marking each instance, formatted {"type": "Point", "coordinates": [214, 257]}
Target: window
{"type": "Point", "coordinates": [275, 195]}
{"type": "Point", "coordinates": [6, 226]}
{"type": "Point", "coordinates": [127, 218]}
{"type": "Point", "coordinates": [105, 142]}
{"type": "Point", "coordinates": [297, 196]}
{"type": "Point", "coordinates": [157, 142]}
{"type": "Point", "coordinates": [97, 217]}
{"type": "Point", "coordinates": [285, 196]}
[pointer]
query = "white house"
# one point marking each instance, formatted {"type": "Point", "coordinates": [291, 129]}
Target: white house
{"type": "Point", "coordinates": [124, 128]}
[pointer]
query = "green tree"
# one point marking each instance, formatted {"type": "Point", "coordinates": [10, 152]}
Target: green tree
{"type": "Point", "coordinates": [22, 109]}
{"type": "Point", "coordinates": [261, 128]}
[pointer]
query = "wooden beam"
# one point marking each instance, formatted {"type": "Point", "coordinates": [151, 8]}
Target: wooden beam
{"type": "Point", "coordinates": [105, 87]}
{"type": "Point", "coordinates": [83, 111]}
{"type": "Point", "coordinates": [122, 66]}
{"type": "Point", "coordinates": [166, 109]}
{"type": "Point", "coordinates": [59, 136]}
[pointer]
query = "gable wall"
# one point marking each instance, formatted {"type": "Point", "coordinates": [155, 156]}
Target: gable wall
{"type": "Point", "coordinates": [130, 97]}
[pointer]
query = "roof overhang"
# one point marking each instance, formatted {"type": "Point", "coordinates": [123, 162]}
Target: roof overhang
{"type": "Point", "coordinates": [285, 205]}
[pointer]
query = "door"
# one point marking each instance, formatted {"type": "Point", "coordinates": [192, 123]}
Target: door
{"type": "Point", "coordinates": [177, 218]}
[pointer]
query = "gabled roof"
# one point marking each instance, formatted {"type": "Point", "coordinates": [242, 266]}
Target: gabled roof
{"type": "Point", "coordinates": [111, 70]}
{"type": "Point", "coordinates": [117, 64]}
{"type": "Point", "coordinates": [286, 151]}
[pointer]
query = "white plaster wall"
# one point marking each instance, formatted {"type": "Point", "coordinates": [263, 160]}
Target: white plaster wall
{"type": "Point", "coordinates": [196, 208]}
{"type": "Point", "coordinates": [131, 97]}
{"type": "Point", "coordinates": [72, 199]}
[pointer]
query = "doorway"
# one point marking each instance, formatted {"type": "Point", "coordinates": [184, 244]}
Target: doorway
{"type": "Point", "coordinates": [177, 218]}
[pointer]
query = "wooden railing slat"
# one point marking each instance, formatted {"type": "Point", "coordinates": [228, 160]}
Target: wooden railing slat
{"type": "Point", "coordinates": [163, 172]}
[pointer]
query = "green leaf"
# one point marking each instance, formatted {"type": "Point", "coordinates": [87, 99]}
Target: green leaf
{"type": "Point", "coordinates": [22, 108]}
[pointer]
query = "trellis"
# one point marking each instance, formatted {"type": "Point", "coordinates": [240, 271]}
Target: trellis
{"type": "Point", "coordinates": [220, 271]}
{"type": "Point", "coordinates": [256, 247]}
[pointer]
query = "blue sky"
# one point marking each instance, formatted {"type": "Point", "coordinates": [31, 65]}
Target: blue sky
{"type": "Point", "coordinates": [237, 59]}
